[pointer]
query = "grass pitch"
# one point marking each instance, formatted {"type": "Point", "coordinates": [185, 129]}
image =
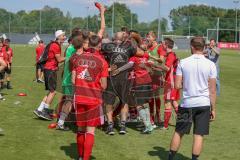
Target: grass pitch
{"type": "Point", "coordinates": [27, 138]}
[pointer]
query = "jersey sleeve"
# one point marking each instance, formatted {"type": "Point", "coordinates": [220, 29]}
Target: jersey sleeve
{"type": "Point", "coordinates": [161, 51]}
{"type": "Point", "coordinates": [56, 48]}
{"type": "Point", "coordinates": [170, 60]}
{"type": "Point", "coordinates": [132, 59]}
{"type": "Point", "coordinates": [146, 55]}
{"type": "Point", "coordinates": [105, 69]}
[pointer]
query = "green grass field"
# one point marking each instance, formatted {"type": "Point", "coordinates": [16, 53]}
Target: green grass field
{"type": "Point", "coordinates": [27, 138]}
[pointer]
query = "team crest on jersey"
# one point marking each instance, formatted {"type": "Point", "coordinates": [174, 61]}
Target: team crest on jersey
{"type": "Point", "coordinates": [85, 74]}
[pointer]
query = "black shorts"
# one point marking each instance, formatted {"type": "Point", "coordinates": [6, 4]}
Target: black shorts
{"type": "Point", "coordinates": [50, 78]}
{"type": "Point", "coordinates": [9, 70]}
{"type": "Point", "coordinates": [140, 94]}
{"type": "Point", "coordinates": [117, 88]}
{"type": "Point", "coordinates": [2, 75]}
{"type": "Point", "coordinates": [199, 116]}
{"type": "Point", "coordinates": [40, 66]}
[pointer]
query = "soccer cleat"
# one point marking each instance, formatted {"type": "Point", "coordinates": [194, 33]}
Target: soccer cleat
{"type": "Point", "coordinates": [122, 130]}
{"type": "Point", "coordinates": [40, 81]}
{"type": "Point", "coordinates": [45, 115]}
{"type": "Point", "coordinates": [163, 128]}
{"type": "Point", "coordinates": [80, 158]}
{"type": "Point", "coordinates": [62, 128]}
{"type": "Point", "coordinates": [37, 113]}
{"type": "Point", "coordinates": [146, 131]}
{"type": "Point", "coordinates": [2, 98]}
{"type": "Point", "coordinates": [154, 126]}
{"type": "Point", "coordinates": [110, 130]}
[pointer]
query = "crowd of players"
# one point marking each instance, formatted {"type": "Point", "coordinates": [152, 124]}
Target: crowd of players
{"type": "Point", "coordinates": [104, 78]}
{"type": "Point", "coordinates": [6, 56]}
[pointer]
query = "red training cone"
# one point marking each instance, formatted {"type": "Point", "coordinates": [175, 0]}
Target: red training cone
{"type": "Point", "coordinates": [52, 125]}
{"type": "Point", "coordinates": [22, 94]}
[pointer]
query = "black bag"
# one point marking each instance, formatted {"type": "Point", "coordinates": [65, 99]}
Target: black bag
{"type": "Point", "coordinates": [44, 57]}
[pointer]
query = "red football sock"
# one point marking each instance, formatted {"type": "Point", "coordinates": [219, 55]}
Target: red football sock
{"type": "Point", "coordinates": [167, 116]}
{"type": "Point", "coordinates": [80, 143]}
{"type": "Point", "coordinates": [88, 145]}
{"type": "Point", "coordinates": [158, 109]}
{"type": "Point", "coordinates": [151, 106]}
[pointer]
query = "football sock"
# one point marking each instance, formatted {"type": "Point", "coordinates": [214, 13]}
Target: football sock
{"type": "Point", "coordinates": [151, 106]}
{"type": "Point", "coordinates": [171, 154]}
{"type": "Point", "coordinates": [167, 116]}
{"type": "Point", "coordinates": [147, 114]}
{"type": "Point", "coordinates": [195, 157]}
{"type": "Point", "coordinates": [80, 143]}
{"type": "Point", "coordinates": [41, 106]}
{"type": "Point", "coordinates": [88, 145]}
{"type": "Point", "coordinates": [142, 115]}
{"type": "Point", "coordinates": [158, 109]}
{"type": "Point", "coordinates": [62, 118]}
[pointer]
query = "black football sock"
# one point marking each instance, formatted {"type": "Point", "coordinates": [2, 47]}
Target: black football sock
{"type": "Point", "coordinates": [195, 157]}
{"type": "Point", "coordinates": [171, 154]}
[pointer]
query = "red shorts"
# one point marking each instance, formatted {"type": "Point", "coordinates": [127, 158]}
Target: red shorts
{"type": "Point", "coordinates": [171, 94]}
{"type": "Point", "coordinates": [89, 115]}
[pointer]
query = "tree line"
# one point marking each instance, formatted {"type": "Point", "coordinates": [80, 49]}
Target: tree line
{"type": "Point", "coordinates": [186, 20]}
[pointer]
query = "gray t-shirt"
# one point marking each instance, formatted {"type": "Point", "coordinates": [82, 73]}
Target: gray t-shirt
{"type": "Point", "coordinates": [213, 56]}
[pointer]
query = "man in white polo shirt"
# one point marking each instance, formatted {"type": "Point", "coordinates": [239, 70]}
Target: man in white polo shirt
{"type": "Point", "coordinates": [196, 76]}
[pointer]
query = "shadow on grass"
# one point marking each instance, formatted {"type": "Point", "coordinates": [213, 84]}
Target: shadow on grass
{"type": "Point", "coordinates": [162, 153]}
{"type": "Point", "coordinates": [71, 151]}
{"type": "Point", "coordinates": [133, 126]}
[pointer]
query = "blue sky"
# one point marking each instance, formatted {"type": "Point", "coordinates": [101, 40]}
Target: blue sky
{"type": "Point", "coordinates": [147, 10]}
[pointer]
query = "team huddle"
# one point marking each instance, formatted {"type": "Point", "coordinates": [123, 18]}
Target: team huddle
{"type": "Point", "coordinates": [106, 78]}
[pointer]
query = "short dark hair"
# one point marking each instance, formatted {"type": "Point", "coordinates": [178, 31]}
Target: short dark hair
{"type": "Point", "coordinates": [40, 42]}
{"type": "Point", "coordinates": [124, 29]}
{"type": "Point", "coordinates": [77, 42]}
{"type": "Point", "coordinates": [85, 34]}
{"type": "Point", "coordinates": [76, 31]}
{"type": "Point", "coordinates": [7, 40]}
{"type": "Point", "coordinates": [212, 39]}
{"type": "Point", "coordinates": [198, 43]}
{"type": "Point", "coordinates": [169, 42]}
{"type": "Point", "coordinates": [94, 40]}
{"type": "Point", "coordinates": [70, 39]}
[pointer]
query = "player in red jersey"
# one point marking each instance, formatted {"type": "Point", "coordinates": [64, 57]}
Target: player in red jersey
{"type": "Point", "coordinates": [7, 49]}
{"type": "Point", "coordinates": [89, 76]}
{"type": "Point", "coordinates": [3, 63]}
{"type": "Point", "coordinates": [39, 67]}
{"type": "Point", "coordinates": [171, 95]}
{"type": "Point", "coordinates": [50, 75]}
{"type": "Point", "coordinates": [156, 52]}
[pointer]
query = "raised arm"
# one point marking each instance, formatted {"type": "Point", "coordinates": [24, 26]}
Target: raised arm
{"type": "Point", "coordinates": [102, 29]}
